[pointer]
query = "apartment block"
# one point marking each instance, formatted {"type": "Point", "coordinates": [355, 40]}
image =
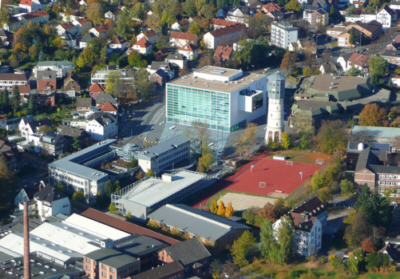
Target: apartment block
{"type": "Point", "coordinates": [283, 34]}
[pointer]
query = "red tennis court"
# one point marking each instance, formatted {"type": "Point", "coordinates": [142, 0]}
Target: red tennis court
{"type": "Point", "coordinates": [269, 175]}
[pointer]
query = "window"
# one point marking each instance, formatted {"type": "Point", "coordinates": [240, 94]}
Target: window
{"type": "Point", "coordinates": [103, 266]}
{"type": "Point", "coordinates": [112, 269]}
{"type": "Point", "coordinates": [111, 277]}
{"type": "Point", "coordinates": [87, 267]}
{"type": "Point", "coordinates": [87, 260]}
{"type": "Point", "coordinates": [103, 274]}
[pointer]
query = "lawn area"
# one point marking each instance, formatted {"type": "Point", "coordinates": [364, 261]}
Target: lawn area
{"type": "Point", "coordinates": [223, 192]}
{"type": "Point", "coordinates": [307, 157]}
{"type": "Point", "coordinates": [334, 44]}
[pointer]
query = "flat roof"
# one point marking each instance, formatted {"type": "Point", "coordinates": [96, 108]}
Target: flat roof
{"type": "Point", "coordinates": [73, 162]}
{"type": "Point", "coordinates": [323, 83]}
{"type": "Point", "coordinates": [162, 147]}
{"type": "Point", "coordinates": [195, 221]}
{"type": "Point", "coordinates": [153, 190]}
{"type": "Point", "coordinates": [375, 132]}
{"type": "Point", "coordinates": [111, 257]}
{"type": "Point", "coordinates": [192, 81]}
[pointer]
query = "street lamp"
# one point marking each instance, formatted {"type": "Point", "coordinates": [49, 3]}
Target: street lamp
{"type": "Point", "coordinates": [251, 168]}
{"type": "Point", "coordinates": [301, 175]}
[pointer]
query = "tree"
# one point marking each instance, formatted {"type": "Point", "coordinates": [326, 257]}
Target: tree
{"type": "Point", "coordinates": [5, 15]}
{"type": "Point", "coordinates": [280, 208]}
{"type": "Point", "coordinates": [285, 140]}
{"type": "Point", "coordinates": [138, 11]}
{"type": "Point", "coordinates": [114, 82]}
{"type": "Point", "coordinates": [5, 98]}
{"type": "Point", "coordinates": [353, 71]}
{"type": "Point", "coordinates": [258, 25]}
{"type": "Point", "coordinates": [332, 136]}
{"type": "Point", "coordinates": [307, 71]}
{"type": "Point", "coordinates": [31, 105]}
{"type": "Point", "coordinates": [324, 194]}
{"type": "Point", "coordinates": [293, 5]}
{"type": "Point", "coordinates": [109, 188]}
{"type": "Point", "coordinates": [347, 187]}
{"type": "Point", "coordinates": [368, 245]}
{"type": "Point", "coordinates": [16, 95]}
{"type": "Point", "coordinates": [135, 59]}
{"type": "Point", "coordinates": [95, 13]}
{"type": "Point", "coordinates": [229, 210]}
{"type": "Point", "coordinates": [128, 216]}
{"type": "Point", "coordinates": [189, 7]}
{"type": "Point", "coordinates": [241, 248]}
{"type": "Point", "coordinates": [358, 228]}
{"type": "Point", "coordinates": [144, 87]}
{"type": "Point", "coordinates": [289, 59]}
{"type": "Point", "coordinates": [216, 269]}
{"type": "Point", "coordinates": [194, 29]}
{"type": "Point", "coordinates": [251, 135]}
{"type": "Point", "coordinates": [352, 39]}
{"type": "Point", "coordinates": [149, 173]}
{"type": "Point", "coordinates": [112, 207]}
{"type": "Point", "coordinates": [60, 187]}
{"type": "Point", "coordinates": [376, 260]}
{"type": "Point", "coordinates": [44, 128]}
{"type": "Point", "coordinates": [221, 208]}
{"type": "Point", "coordinates": [76, 144]}
{"type": "Point", "coordinates": [267, 212]}
{"type": "Point", "coordinates": [249, 216]}
{"type": "Point", "coordinates": [373, 115]}
{"type": "Point", "coordinates": [132, 164]}
{"type": "Point", "coordinates": [139, 175]}
{"type": "Point", "coordinates": [206, 161]}
{"type": "Point", "coordinates": [214, 207]}
{"type": "Point", "coordinates": [332, 10]}
{"type": "Point", "coordinates": [378, 66]}
{"type": "Point", "coordinates": [78, 196]}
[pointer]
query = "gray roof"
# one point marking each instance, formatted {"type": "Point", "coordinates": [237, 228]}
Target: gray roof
{"type": "Point", "coordinates": [375, 132]}
{"type": "Point", "coordinates": [138, 245]}
{"type": "Point", "coordinates": [163, 271]}
{"type": "Point", "coordinates": [83, 102]}
{"type": "Point", "coordinates": [67, 131]}
{"type": "Point", "coordinates": [111, 257]}
{"type": "Point", "coordinates": [276, 76]}
{"type": "Point", "coordinates": [46, 75]}
{"type": "Point", "coordinates": [162, 147]}
{"type": "Point", "coordinates": [175, 56]}
{"type": "Point", "coordinates": [195, 221]}
{"type": "Point", "coordinates": [385, 169]}
{"type": "Point", "coordinates": [365, 159]}
{"type": "Point", "coordinates": [104, 98]}
{"type": "Point", "coordinates": [74, 162]}
{"type": "Point", "coordinates": [55, 63]}
{"type": "Point", "coordinates": [88, 37]}
{"type": "Point", "coordinates": [102, 117]}
{"type": "Point", "coordinates": [188, 252]}
{"type": "Point", "coordinates": [49, 194]}
{"type": "Point", "coordinates": [352, 146]}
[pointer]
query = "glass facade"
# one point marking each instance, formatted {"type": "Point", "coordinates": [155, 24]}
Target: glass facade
{"type": "Point", "coordinates": [186, 105]}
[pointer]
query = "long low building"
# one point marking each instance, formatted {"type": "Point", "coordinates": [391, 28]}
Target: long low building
{"type": "Point", "coordinates": [208, 227]}
{"type": "Point", "coordinates": [150, 193]}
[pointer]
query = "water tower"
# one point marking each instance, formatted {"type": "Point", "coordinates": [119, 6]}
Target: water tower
{"type": "Point", "coordinates": [276, 95]}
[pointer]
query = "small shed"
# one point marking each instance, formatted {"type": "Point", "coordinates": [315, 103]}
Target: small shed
{"type": "Point", "coordinates": [280, 157]}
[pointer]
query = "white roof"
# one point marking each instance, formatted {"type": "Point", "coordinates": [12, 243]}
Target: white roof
{"type": "Point", "coordinates": [153, 190]}
{"type": "Point", "coordinates": [15, 242]}
{"type": "Point", "coordinates": [94, 227]}
{"type": "Point", "coordinates": [65, 236]}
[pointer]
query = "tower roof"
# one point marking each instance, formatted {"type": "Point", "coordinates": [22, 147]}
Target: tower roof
{"type": "Point", "coordinates": [276, 76]}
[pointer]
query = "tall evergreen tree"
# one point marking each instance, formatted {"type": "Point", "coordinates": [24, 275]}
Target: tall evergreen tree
{"type": "Point", "coordinates": [31, 105]}
{"type": "Point", "coordinates": [16, 94]}
{"type": "Point", "coordinates": [352, 39]}
{"type": "Point", "coordinates": [1, 98]}
{"type": "Point", "coordinates": [5, 98]}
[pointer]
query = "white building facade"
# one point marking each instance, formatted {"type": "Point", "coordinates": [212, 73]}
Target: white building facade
{"type": "Point", "coordinates": [283, 34]}
{"type": "Point", "coordinates": [276, 95]}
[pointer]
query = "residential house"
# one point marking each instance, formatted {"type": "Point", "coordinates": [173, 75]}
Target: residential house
{"type": "Point", "coordinates": [344, 38]}
{"type": "Point", "coordinates": [83, 42]}
{"type": "Point", "coordinates": [26, 193]}
{"type": "Point", "coordinates": [386, 16]}
{"type": "Point", "coordinates": [70, 134]}
{"type": "Point", "coordinates": [316, 208]}
{"type": "Point", "coordinates": [222, 54]}
{"type": "Point", "coordinates": [191, 254]}
{"type": "Point", "coordinates": [150, 35]}
{"type": "Point", "coordinates": [177, 39]}
{"type": "Point", "coordinates": [52, 144]}
{"type": "Point", "coordinates": [359, 61]}
{"type": "Point", "coordinates": [50, 202]}
{"type": "Point", "coordinates": [160, 77]}
{"type": "Point", "coordinates": [142, 46]}
{"type": "Point", "coordinates": [6, 38]}
{"type": "Point", "coordinates": [61, 67]}
{"type": "Point", "coordinates": [306, 46]}
{"type": "Point", "coordinates": [100, 76]}
{"type": "Point", "coordinates": [270, 7]}
{"type": "Point", "coordinates": [101, 126]}
{"type": "Point", "coordinates": [224, 36]}
{"type": "Point", "coordinates": [29, 6]}
{"type": "Point", "coordinates": [370, 29]}
{"type": "Point", "coordinates": [39, 16]}
{"type": "Point", "coordinates": [159, 55]}
{"type": "Point", "coordinates": [100, 30]}
{"type": "Point", "coordinates": [170, 69]}
{"type": "Point", "coordinates": [327, 68]}
{"type": "Point", "coordinates": [46, 82]}
{"type": "Point", "coordinates": [335, 31]}
{"type": "Point", "coordinates": [308, 232]}
{"type": "Point", "coordinates": [392, 57]}
{"type": "Point", "coordinates": [240, 14]}
{"type": "Point", "coordinates": [103, 98]}
{"type": "Point", "coordinates": [395, 5]}
{"type": "Point", "coordinates": [117, 43]}
{"type": "Point", "coordinates": [255, 5]}
{"type": "Point", "coordinates": [283, 34]}
{"type": "Point", "coordinates": [176, 58]}
{"type": "Point", "coordinates": [69, 40]}
{"type": "Point", "coordinates": [10, 153]}
{"type": "Point", "coordinates": [96, 89]}
{"type": "Point", "coordinates": [275, 15]}
{"type": "Point", "coordinates": [317, 17]}
{"type": "Point", "coordinates": [83, 24]}
{"type": "Point", "coordinates": [165, 271]}
{"type": "Point", "coordinates": [189, 51]}
{"type": "Point", "coordinates": [392, 251]}
{"type": "Point", "coordinates": [8, 80]}
{"type": "Point", "coordinates": [110, 263]}
{"type": "Point", "coordinates": [71, 85]}
{"type": "Point", "coordinates": [343, 61]}
{"type": "Point", "coordinates": [29, 126]}
{"type": "Point", "coordinates": [210, 229]}
{"type": "Point", "coordinates": [71, 28]}
{"type": "Point", "coordinates": [396, 80]}
{"type": "Point", "coordinates": [83, 104]}
{"type": "Point", "coordinates": [217, 23]}
{"type": "Point", "coordinates": [109, 15]}
{"type": "Point", "coordinates": [107, 107]}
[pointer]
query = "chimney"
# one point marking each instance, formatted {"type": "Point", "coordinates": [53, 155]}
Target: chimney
{"type": "Point", "coordinates": [27, 264]}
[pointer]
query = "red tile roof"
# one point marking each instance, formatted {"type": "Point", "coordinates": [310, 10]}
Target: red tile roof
{"type": "Point", "coordinates": [67, 25]}
{"type": "Point", "coordinates": [117, 40]}
{"type": "Point", "coordinates": [271, 7]}
{"type": "Point", "coordinates": [221, 22]}
{"type": "Point", "coordinates": [84, 21]}
{"type": "Point", "coordinates": [126, 226]}
{"type": "Point", "coordinates": [188, 47]}
{"type": "Point", "coordinates": [26, 3]}
{"type": "Point", "coordinates": [183, 36]}
{"type": "Point", "coordinates": [101, 28]}
{"type": "Point", "coordinates": [150, 33]}
{"type": "Point", "coordinates": [95, 87]}
{"type": "Point", "coordinates": [24, 89]}
{"type": "Point", "coordinates": [223, 52]}
{"type": "Point", "coordinates": [227, 30]}
{"type": "Point", "coordinates": [359, 59]}
{"type": "Point", "coordinates": [106, 107]}
{"type": "Point", "coordinates": [143, 43]}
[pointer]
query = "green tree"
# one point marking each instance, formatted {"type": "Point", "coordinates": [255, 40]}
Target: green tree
{"type": "Point", "coordinates": [189, 7]}
{"type": "Point", "coordinates": [352, 39]}
{"type": "Point", "coordinates": [135, 59]}
{"type": "Point", "coordinates": [332, 10]}
{"type": "Point", "coordinates": [353, 71]}
{"type": "Point", "coordinates": [76, 144]}
{"type": "Point", "coordinates": [378, 67]}
{"type": "Point", "coordinates": [132, 164]}
{"type": "Point", "coordinates": [5, 15]}
{"type": "Point", "coordinates": [112, 207]}
{"type": "Point", "coordinates": [331, 136]}
{"type": "Point", "coordinates": [78, 196]}
{"type": "Point", "coordinates": [149, 173]}
{"type": "Point", "coordinates": [95, 13]}
{"type": "Point", "coordinates": [194, 29]}
{"type": "Point", "coordinates": [324, 194]}
{"type": "Point", "coordinates": [138, 11]}
{"type": "Point", "coordinates": [109, 188]}
{"type": "Point", "coordinates": [285, 140]}
{"type": "Point", "coordinates": [377, 260]}
{"type": "Point", "coordinates": [307, 71]}
{"type": "Point", "coordinates": [114, 82]}
{"type": "Point", "coordinates": [16, 94]}
{"type": "Point", "coordinates": [358, 228]}
{"type": "Point", "coordinates": [117, 185]}
{"type": "Point", "coordinates": [60, 187]}
{"type": "Point", "coordinates": [144, 87]}
{"type": "Point", "coordinates": [293, 5]}
{"type": "Point", "coordinates": [241, 248]}
{"type": "Point", "coordinates": [249, 216]}
{"type": "Point", "coordinates": [31, 105]}
{"type": "Point", "coordinates": [347, 187]}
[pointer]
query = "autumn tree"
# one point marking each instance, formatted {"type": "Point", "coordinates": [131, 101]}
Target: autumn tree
{"type": "Point", "coordinates": [78, 196]}
{"type": "Point", "coordinates": [289, 60]}
{"type": "Point", "coordinates": [135, 59]}
{"type": "Point", "coordinates": [241, 248]}
{"type": "Point", "coordinates": [267, 212]}
{"type": "Point", "coordinates": [114, 82]}
{"type": "Point", "coordinates": [358, 228]}
{"type": "Point", "coordinates": [324, 194]}
{"type": "Point", "coordinates": [293, 5]}
{"type": "Point", "coordinates": [214, 207]}
{"type": "Point", "coordinates": [229, 210]}
{"type": "Point", "coordinates": [149, 173]}
{"type": "Point", "coordinates": [5, 15]}
{"type": "Point", "coordinates": [373, 115]}
{"type": "Point", "coordinates": [95, 13]}
{"type": "Point", "coordinates": [221, 208]}
{"type": "Point", "coordinates": [307, 71]}
{"type": "Point", "coordinates": [194, 29]}
{"type": "Point", "coordinates": [331, 136]}
{"type": "Point", "coordinates": [112, 208]}
{"type": "Point", "coordinates": [143, 86]}
{"type": "Point", "coordinates": [285, 140]}
{"type": "Point", "coordinates": [368, 245]}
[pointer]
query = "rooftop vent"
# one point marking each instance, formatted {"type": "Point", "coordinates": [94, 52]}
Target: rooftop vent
{"type": "Point", "coordinates": [332, 87]}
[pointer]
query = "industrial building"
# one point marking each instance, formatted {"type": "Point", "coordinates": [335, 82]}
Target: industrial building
{"type": "Point", "coordinates": [224, 99]}
{"type": "Point", "coordinates": [151, 193]}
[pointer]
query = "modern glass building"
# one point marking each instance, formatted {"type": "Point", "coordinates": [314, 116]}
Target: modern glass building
{"type": "Point", "coordinates": [224, 99]}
